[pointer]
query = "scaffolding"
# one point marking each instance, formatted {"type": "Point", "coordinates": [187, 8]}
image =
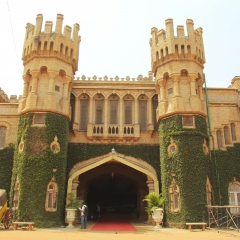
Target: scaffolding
{"type": "Point", "coordinates": [224, 217]}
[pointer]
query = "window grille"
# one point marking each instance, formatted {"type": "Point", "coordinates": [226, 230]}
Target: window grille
{"type": "Point", "coordinates": [143, 115]}
{"type": "Point", "coordinates": [83, 115]}
{"type": "Point", "coordinates": [128, 112]}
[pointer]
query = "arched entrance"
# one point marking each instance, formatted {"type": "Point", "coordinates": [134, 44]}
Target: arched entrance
{"type": "Point", "coordinates": [115, 181]}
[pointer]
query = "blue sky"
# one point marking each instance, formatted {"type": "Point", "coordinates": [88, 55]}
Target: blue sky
{"type": "Point", "coordinates": [115, 35]}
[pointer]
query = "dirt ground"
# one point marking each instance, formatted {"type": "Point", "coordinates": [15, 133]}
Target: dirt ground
{"type": "Point", "coordinates": [143, 232]}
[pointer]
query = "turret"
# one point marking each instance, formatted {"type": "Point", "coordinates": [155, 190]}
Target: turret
{"type": "Point", "coordinates": [177, 64]}
{"type": "Point", "coordinates": [50, 61]}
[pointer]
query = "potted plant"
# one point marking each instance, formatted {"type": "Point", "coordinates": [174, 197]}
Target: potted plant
{"type": "Point", "coordinates": [72, 205]}
{"type": "Point", "coordinates": [154, 207]}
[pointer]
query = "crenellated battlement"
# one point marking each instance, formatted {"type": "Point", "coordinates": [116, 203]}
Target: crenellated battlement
{"type": "Point", "coordinates": [165, 46]}
{"type": "Point", "coordinates": [62, 43]}
{"type": "Point", "coordinates": [139, 79]}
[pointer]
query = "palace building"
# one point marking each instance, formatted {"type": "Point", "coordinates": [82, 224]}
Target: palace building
{"type": "Point", "coordinates": [112, 140]}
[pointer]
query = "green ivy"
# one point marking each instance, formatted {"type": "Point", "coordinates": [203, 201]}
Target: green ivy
{"type": "Point", "coordinates": [6, 165]}
{"type": "Point", "coordinates": [190, 166]}
{"type": "Point", "coordinates": [34, 168]}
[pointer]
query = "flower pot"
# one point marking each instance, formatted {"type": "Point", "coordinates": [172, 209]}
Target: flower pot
{"type": "Point", "coordinates": [70, 216]}
{"type": "Point", "coordinates": [157, 216]}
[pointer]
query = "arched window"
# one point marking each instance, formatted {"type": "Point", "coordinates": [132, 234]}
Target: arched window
{"type": "Point", "coordinates": [3, 131]}
{"type": "Point", "coordinates": [233, 132]}
{"type": "Point", "coordinates": [166, 51]}
{"type": "Point", "coordinates": [157, 55]}
{"type": "Point", "coordinates": [234, 197]}
{"type": "Point", "coordinates": [51, 197]}
{"type": "Point", "coordinates": [161, 53]}
{"type": "Point", "coordinates": [226, 135]}
{"type": "Point", "coordinates": [219, 139]}
{"type": "Point", "coordinates": [16, 194]}
{"type": "Point", "coordinates": [175, 198]}
{"type": "Point", "coordinates": [61, 48]}
{"type": "Point", "coordinates": [209, 193]}
{"type": "Point", "coordinates": [45, 45]}
{"type": "Point", "coordinates": [176, 48]}
{"type": "Point", "coordinates": [113, 109]}
{"type": "Point", "coordinates": [84, 103]}
{"type": "Point", "coordinates": [51, 46]}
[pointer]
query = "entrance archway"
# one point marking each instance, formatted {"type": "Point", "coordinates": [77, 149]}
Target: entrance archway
{"type": "Point", "coordinates": [114, 177]}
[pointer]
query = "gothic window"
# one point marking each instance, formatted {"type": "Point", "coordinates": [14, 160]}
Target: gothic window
{"type": "Point", "coordinates": [51, 197]}
{"type": "Point", "coordinates": [234, 197]}
{"type": "Point", "coordinates": [226, 135]}
{"type": "Point", "coordinates": [51, 46]}
{"type": "Point", "coordinates": [209, 193]}
{"type": "Point", "coordinates": [16, 194]}
{"type": "Point", "coordinates": [219, 139]}
{"type": "Point", "coordinates": [83, 114]}
{"type": "Point", "coordinates": [143, 115]}
{"type": "Point", "coordinates": [45, 45]}
{"type": "Point", "coordinates": [128, 111]}
{"type": "Point", "coordinates": [113, 111]}
{"type": "Point", "coordinates": [233, 132]}
{"type": "Point", "coordinates": [3, 131]}
{"type": "Point", "coordinates": [99, 112]}
{"type": "Point", "coordinates": [175, 198]}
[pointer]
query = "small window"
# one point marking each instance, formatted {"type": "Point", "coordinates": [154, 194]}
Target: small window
{"type": "Point", "coordinates": [3, 131]}
{"type": "Point", "coordinates": [39, 118]}
{"type": "Point", "coordinates": [175, 198]}
{"type": "Point", "coordinates": [233, 132]}
{"type": "Point", "coordinates": [16, 194]}
{"type": "Point", "coordinates": [234, 197]}
{"type": "Point", "coordinates": [57, 88]}
{"type": "Point", "coordinates": [226, 135]}
{"type": "Point", "coordinates": [188, 121]}
{"type": "Point", "coordinates": [219, 139]}
{"type": "Point", "coordinates": [170, 91]}
{"type": "Point", "coordinates": [51, 197]}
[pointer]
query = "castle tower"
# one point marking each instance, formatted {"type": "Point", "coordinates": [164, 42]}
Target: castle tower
{"type": "Point", "coordinates": [177, 64]}
{"type": "Point", "coordinates": [50, 60]}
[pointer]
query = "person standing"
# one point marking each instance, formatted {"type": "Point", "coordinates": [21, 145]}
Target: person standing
{"type": "Point", "coordinates": [84, 214]}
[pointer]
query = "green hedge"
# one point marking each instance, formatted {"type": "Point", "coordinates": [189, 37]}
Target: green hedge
{"type": "Point", "coordinates": [34, 167]}
{"type": "Point", "coordinates": [190, 165]}
{"type": "Point", "coordinates": [6, 165]}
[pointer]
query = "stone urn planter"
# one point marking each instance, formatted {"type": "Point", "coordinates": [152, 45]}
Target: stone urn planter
{"type": "Point", "coordinates": [70, 217]}
{"type": "Point", "coordinates": [157, 216]}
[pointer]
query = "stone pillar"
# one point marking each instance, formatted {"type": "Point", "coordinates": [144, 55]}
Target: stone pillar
{"type": "Point", "coordinates": [77, 114]}
{"type": "Point", "coordinates": [91, 110]}
{"type": "Point", "coordinates": [26, 85]}
{"type": "Point", "coordinates": [176, 86]}
{"type": "Point", "coordinates": [32, 97]}
{"type": "Point", "coordinates": [49, 100]}
{"type": "Point", "coordinates": [121, 110]}
{"type": "Point", "coordinates": [106, 111]}
{"type": "Point", "coordinates": [75, 184]}
{"type": "Point", "coordinates": [65, 97]}
{"type": "Point", "coordinates": [162, 104]}
{"type": "Point", "coordinates": [136, 112]}
{"type": "Point", "coordinates": [150, 115]}
{"type": "Point", "coordinates": [150, 184]}
{"type": "Point", "coordinates": [193, 85]}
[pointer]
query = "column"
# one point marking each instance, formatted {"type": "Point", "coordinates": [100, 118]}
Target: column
{"type": "Point", "coordinates": [150, 108]}
{"type": "Point", "coordinates": [26, 85]}
{"type": "Point", "coordinates": [121, 117]}
{"type": "Point", "coordinates": [51, 85]}
{"type": "Point", "coordinates": [106, 111]}
{"type": "Point", "coordinates": [136, 112]}
{"type": "Point", "coordinates": [91, 110]}
{"type": "Point", "coordinates": [77, 114]}
{"type": "Point", "coordinates": [176, 86]}
{"type": "Point", "coordinates": [75, 184]}
{"type": "Point", "coordinates": [65, 90]}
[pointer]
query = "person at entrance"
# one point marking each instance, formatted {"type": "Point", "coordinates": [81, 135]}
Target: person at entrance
{"type": "Point", "coordinates": [84, 214]}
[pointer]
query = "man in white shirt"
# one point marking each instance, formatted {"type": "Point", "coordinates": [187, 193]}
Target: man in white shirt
{"type": "Point", "coordinates": [84, 213]}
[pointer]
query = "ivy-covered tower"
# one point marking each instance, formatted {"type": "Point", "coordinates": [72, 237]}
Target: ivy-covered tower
{"type": "Point", "coordinates": [177, 63]}
{"type": "Point", "coordinates": [50, 60]}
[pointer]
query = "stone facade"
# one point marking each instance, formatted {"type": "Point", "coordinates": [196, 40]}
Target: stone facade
{"type": "Point", "coordinates": [116, 110]}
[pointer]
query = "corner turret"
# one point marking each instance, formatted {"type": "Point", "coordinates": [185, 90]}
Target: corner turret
{"type": "Point", "coordinates": [50, 61]}
{"type": "Point", "coordinates": [177, 64]}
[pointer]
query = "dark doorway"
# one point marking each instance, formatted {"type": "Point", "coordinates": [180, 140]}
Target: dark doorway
{"type": "Point", "coordinates": [114, 193]}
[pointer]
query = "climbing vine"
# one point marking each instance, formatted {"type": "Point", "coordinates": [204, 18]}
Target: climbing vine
{"type": "Point", "coordinates": [34, 168]}
{"type": "Point", "coordinates": [187, 167]}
